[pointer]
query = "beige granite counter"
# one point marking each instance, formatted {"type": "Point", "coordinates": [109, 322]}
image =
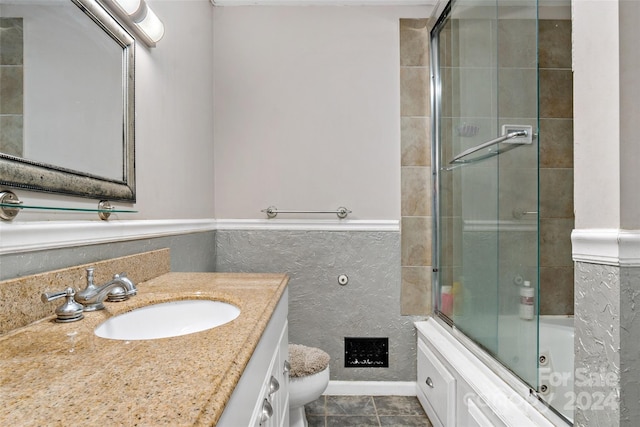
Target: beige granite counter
{"type": "Point", "coordinates": [62, 374]}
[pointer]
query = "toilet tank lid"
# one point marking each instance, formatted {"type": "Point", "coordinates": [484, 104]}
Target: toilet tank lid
{"type": "Point", "coordinates": [306, 360]}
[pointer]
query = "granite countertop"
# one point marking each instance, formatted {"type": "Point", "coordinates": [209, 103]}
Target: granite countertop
{"type": "Point", "coordinates": [62, 374]}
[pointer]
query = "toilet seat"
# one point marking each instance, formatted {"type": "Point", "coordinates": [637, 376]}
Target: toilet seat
{"type": "Point", "coordinates": [308, 379]}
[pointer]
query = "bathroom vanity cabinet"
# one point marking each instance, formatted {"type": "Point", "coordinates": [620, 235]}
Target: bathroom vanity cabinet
{"type": "Point", "coordinates": [456, 388]}
{"type": "Point", "coordinates": [220, 376]}
{"type": "Point", "coordinates": [261, 398]}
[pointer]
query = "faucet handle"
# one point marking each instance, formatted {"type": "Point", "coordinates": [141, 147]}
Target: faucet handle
{"type": "Point", "coordinates": [90, 276]}
{"type": "Point", "coordinates": [120, 293]}
{"type": "Point", "coordinates": [70, 310]}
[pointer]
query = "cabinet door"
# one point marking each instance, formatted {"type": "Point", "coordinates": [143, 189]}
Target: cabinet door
{"type": "Point", "coordinates": [277, 386]}
{"type": "Point", "coordinates": [283, 364]}
{"type": "Point", "coordinates": [473, 410]}
{"type": "Point", "coordinates": [437, 386]}
{"type": "Point", "coordinates": [476, 417]}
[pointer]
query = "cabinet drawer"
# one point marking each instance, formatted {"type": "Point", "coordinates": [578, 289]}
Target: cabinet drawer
{"type": "Point", "coordinates": [437, 385]}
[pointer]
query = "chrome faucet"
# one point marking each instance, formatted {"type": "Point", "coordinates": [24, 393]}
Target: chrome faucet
{"type": "Point", "coordinates": [92, 297]}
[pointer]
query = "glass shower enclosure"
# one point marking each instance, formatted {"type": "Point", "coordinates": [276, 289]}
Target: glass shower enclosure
{"type": "Point", "coordinates": [485, 161]}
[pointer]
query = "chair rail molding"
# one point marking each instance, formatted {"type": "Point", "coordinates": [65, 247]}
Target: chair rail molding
{"type": "Point", "coordinates": [43, 235]}
{"type": "Point", "coordinates": [19, 237]}
{"type": "Point", "coordinates": [606, 246]}
{"type": "Point", "coordinates": [324, 2]}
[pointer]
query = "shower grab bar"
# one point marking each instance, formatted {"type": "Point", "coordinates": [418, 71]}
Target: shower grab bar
{"type": "Point", "coordinates": [487, 144]}
{"type": "Point", "coordinates": [272, 212]}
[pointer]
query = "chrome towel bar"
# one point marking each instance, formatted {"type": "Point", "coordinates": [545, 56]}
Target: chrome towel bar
{"type": "Point", "coordinates": [487, 144]}
{"type": "Point", "coordinates": [272, 211]}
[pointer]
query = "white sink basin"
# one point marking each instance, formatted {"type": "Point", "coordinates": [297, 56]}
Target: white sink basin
{"type": "Point", "coordinates": [169, 319]}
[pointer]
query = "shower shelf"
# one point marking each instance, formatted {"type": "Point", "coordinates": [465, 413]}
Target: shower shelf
{"type": "Point", "coordinates": [10, 206]}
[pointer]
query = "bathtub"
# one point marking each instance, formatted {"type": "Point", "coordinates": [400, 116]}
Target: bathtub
{"type": "Point", "coordinates": [459, 384]}
{"type": "Point", "coordinates": [556, 363]}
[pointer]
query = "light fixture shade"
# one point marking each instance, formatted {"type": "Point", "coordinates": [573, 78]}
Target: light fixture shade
{"type": "Point", "coordinates": [151, 25]}
{"type": "Point", "coordinates": [130, 7]}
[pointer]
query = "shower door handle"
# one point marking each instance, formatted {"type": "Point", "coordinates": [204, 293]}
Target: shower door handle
{"type": "Point", "coordinates": [498, 140]}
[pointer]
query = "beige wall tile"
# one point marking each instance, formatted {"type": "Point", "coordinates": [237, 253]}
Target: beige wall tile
{"type": "Point", "coordinates": [415, 136]}
{"type": "Point", "coordinates": [416, 191]}
{"type": "Point", "coordinates": [518, 192]}
{"type": "Point", "coordinates": [416, 291]}
{"type": "Point", "coordinates": [555, 242]}
{"type": "Point", "coordinates": [556, 290]}
{"type": "Point", "coordinates": [517, 93]}
{"type": "Point", "coordinates": [414, 91]}
{"type": "Point", "coordinates": [554, 39]}
{"type": "Point", "coordinates": [473, 92]}
{"type": "Point", "coordinates": [556, 143]}
{"type": "Point", "coordinates": [517, 43]}
{"type": "Point", "coordinates": [473, 43]}
{"type": "Point", "coordinates": [556, 94]}
{"type": "Point", "coordinates": [556, 193]}
{"type": "Point", "coordinates": [414, 42]}
{"type": "Point", "coordinates": [11, 41]}
{"type": "Point", "coordinates": [11, 78]}
{"type": "Point", "coordinates": [445, 46]}
{"type": "Point", "coordinates": [11, 135]}
{"type": "Point", "coordinates": [416, 241]}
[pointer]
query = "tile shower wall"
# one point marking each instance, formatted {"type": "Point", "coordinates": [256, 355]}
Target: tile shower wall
{"type": "Point", "coordinates": [321, 311]}
{"type": "Point", "coordinates": [556, 167]}
{"type": "Point", "coordinates": [11, 93]}
{"type": "Point", "coordinates": [415, 167]}
{"type": "Point", "coordinates": [555, 160]}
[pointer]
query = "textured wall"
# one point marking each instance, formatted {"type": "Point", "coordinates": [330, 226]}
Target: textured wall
{"type": "Point", "coordinates": [597, 344]}
{"type": "Point", "coordinates": [629, 349]}
{"type": "Point", "coordinates": [189, 252]}
{"type": "Point", "coordinates": [321, 312]}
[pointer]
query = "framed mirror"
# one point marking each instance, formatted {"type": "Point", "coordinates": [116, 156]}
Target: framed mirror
{"type": "Point", "coordinates": [66, 99]}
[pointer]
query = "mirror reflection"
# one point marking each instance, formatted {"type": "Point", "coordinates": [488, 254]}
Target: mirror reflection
{"type": "Point", "coordinates": [66, 81]}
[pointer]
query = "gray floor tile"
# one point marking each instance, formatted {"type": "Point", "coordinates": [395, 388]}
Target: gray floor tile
{"type": "Point", "coordinates": [398, 405]}
{"type": "Point", "coordinates": [366, 411]}
{"type": "Point", "coordinates": [352, 421]}
{"type": "Point", "coordinates": [404, 421]}
{"type": "Point", "coordinates": [350, 405]}
{"type": "Point", "coordinates": [317, 407]}
{"type": "Point", "coordinates": [316, 420]}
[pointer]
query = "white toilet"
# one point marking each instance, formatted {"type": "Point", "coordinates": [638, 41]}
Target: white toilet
{"type": "Point", "coordinates": [309, 377]}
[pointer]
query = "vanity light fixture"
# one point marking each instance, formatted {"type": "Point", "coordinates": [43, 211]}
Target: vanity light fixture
{"type": "Point", "coordinates": [140, 18]}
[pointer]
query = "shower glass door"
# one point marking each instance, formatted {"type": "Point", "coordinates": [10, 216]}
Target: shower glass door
{"type": "Point", "coordinates": [484, 62]}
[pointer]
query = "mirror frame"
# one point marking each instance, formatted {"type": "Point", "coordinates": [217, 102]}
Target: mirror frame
{"type": "Point", "coordinates": [36, 176]}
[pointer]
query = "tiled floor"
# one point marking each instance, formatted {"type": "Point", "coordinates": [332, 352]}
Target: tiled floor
{"type": "Point", "coordinates": [366, 411]}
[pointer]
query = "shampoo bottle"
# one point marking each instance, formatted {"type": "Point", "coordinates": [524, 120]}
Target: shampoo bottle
{"type": "Point", "coordinates": [456, 293]}
{"type": "Point", "coordinates": [446, 301]}
{"type": "Point", "coordinates": [526, 301]}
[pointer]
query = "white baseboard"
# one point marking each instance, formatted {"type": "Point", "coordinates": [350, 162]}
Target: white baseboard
{"type": "Point", "coordinates": [371, 388]}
